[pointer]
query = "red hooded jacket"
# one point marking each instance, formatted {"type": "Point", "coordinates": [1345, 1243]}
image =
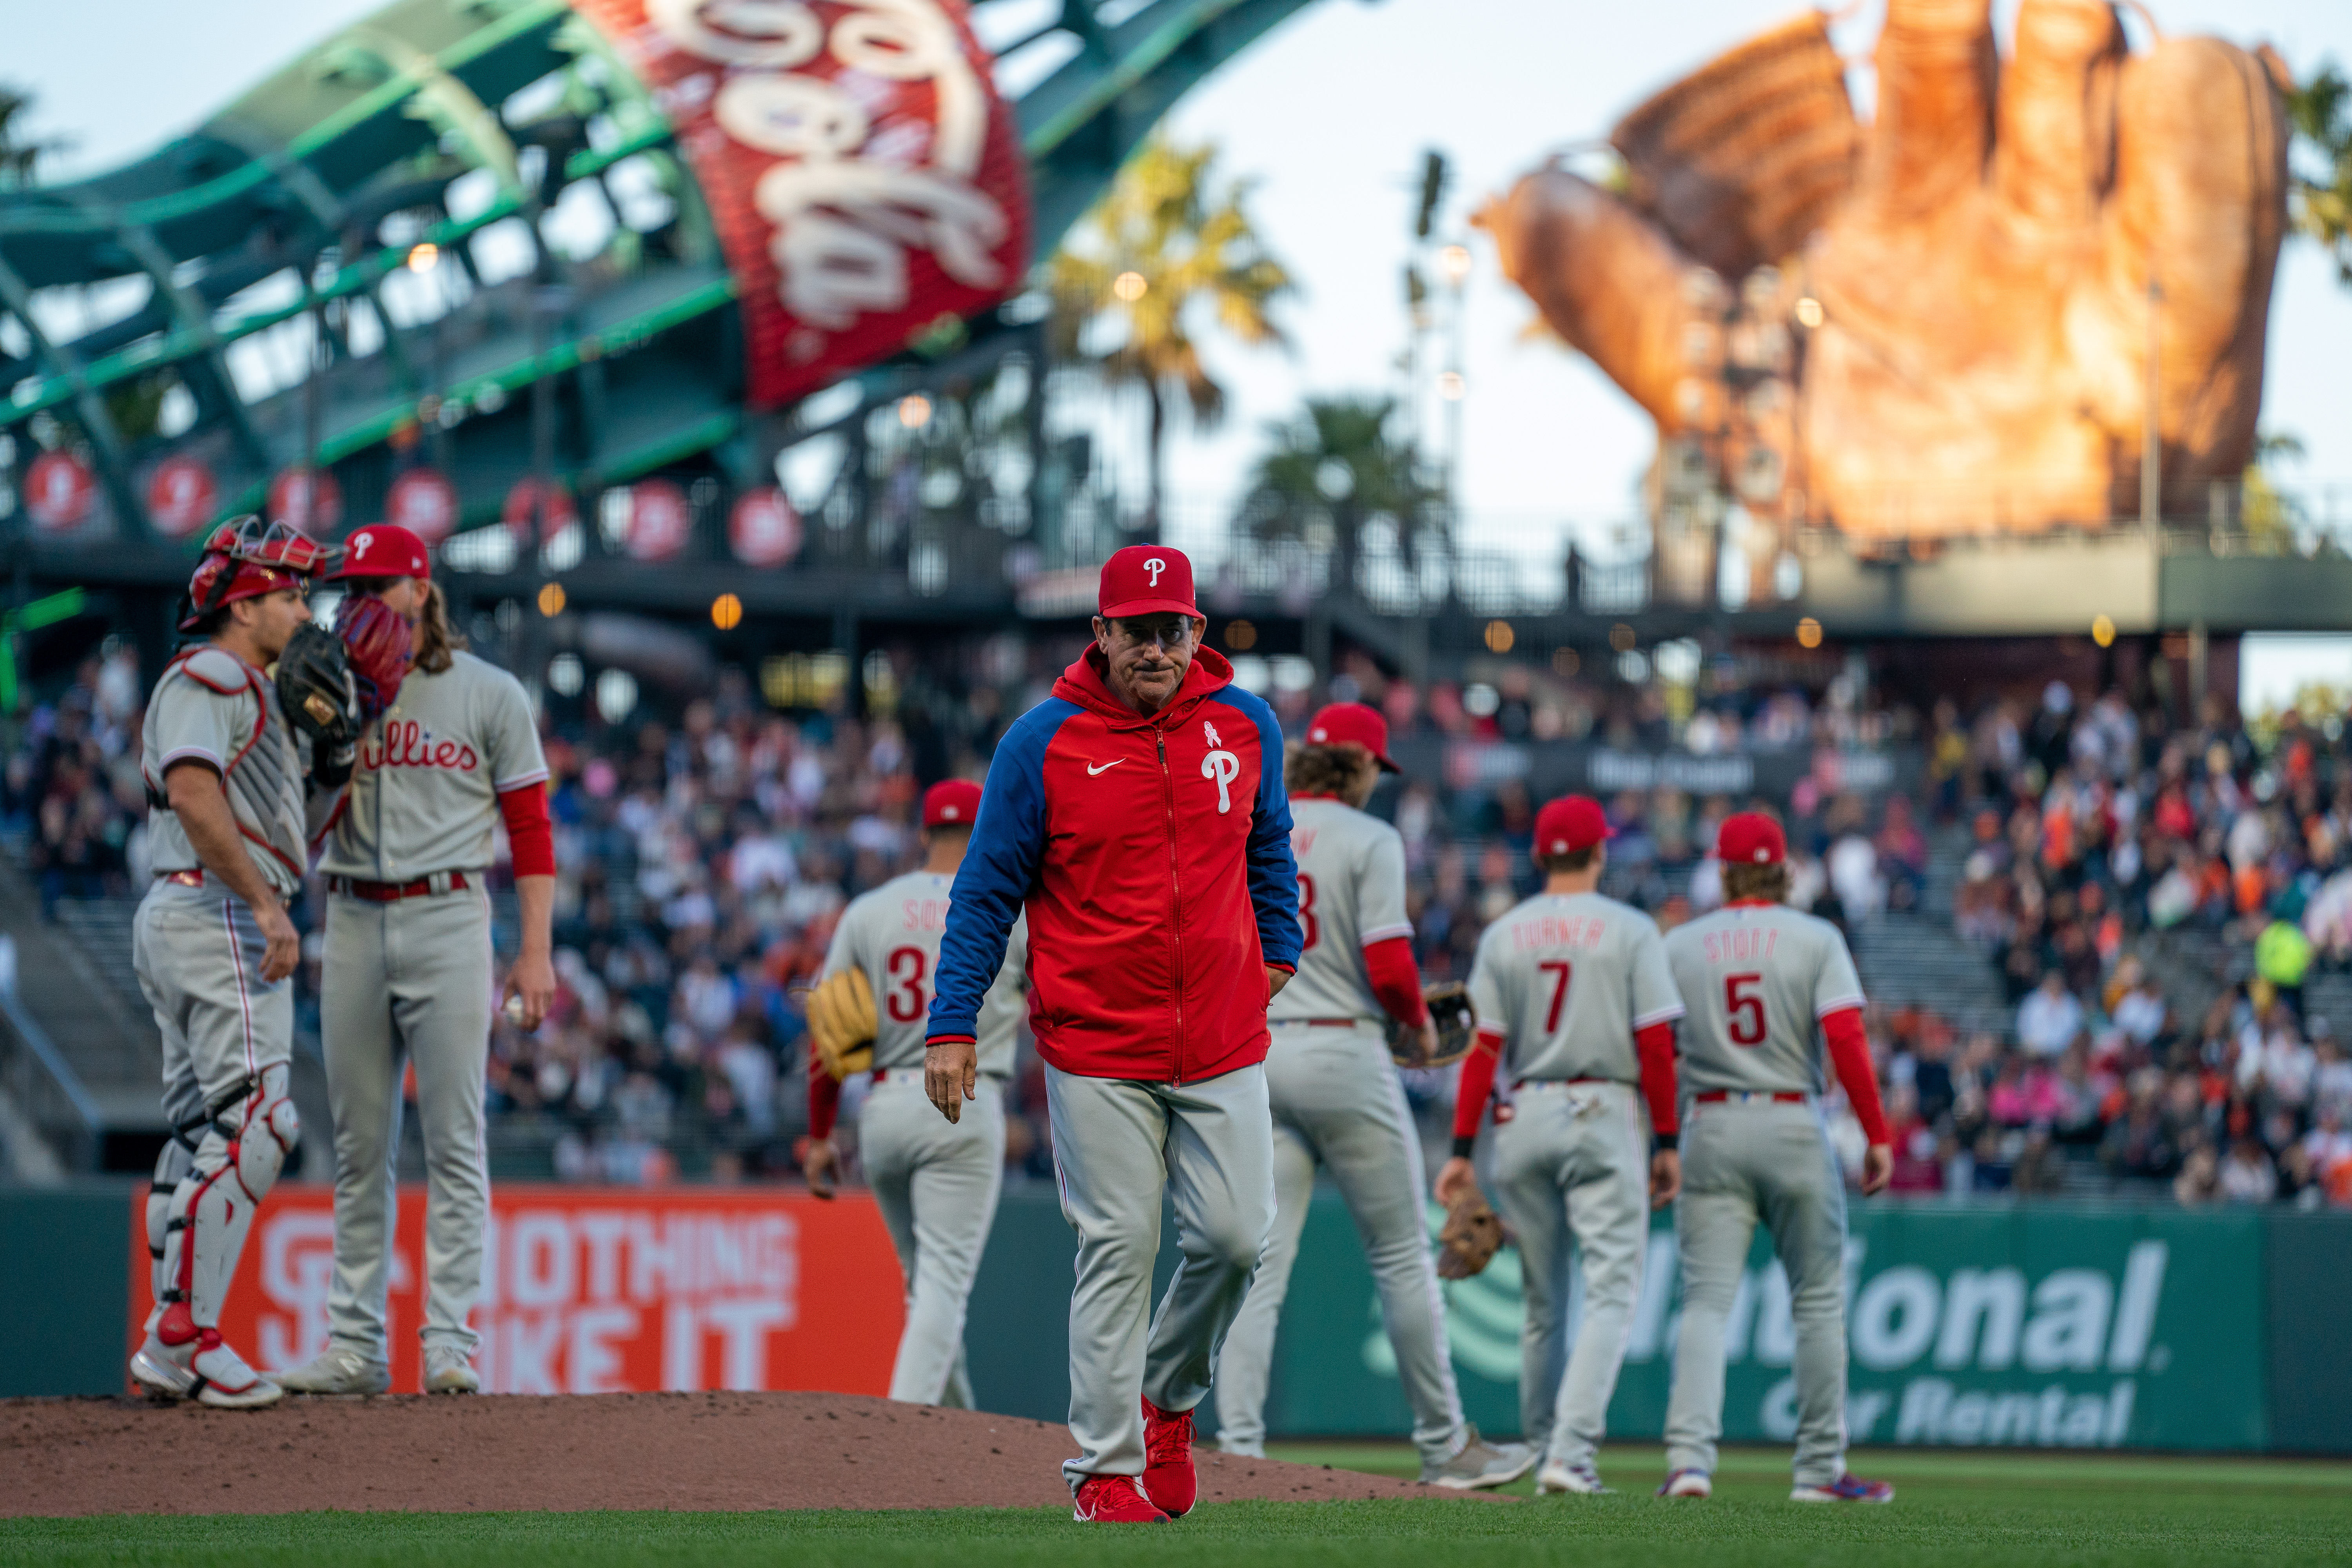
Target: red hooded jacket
{"type": "Point", "coordinates": [1152, 853]}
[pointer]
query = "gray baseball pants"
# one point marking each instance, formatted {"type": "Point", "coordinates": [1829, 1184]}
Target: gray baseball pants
{"type": "Point", "coordinates": [1337, 1101]}
{"type": "Point", "coordinates": [1745, 1159]}
{"type": "Point", "coordinates": [1569, 1165]}
{"type": "Point", "coordinates": [1118, 1145]}
{"type": "Point", "coordinates": [197, 954]}
{"type": "Point", "coordinates": [936, 1183]}
{"type": "Point", "coordinates": [409, 979]}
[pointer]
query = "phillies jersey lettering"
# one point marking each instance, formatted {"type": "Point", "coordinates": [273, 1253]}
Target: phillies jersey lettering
{"type": "Point", "coordinates": [1759, 979]}
{"type": "Point", "coordinates": [424, 789]}
{"type": "Point", "coordinates": [893, 933]}
{"type": "Point", "coordinates": [1350, 895]}
{"type": "Point", "coordinates": [1569, 977]}
{"type": "Point", "coordinates": [211, 707]}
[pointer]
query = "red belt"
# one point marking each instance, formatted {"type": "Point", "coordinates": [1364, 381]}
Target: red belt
{"type": "Point", "coordinates": [1778, 1097]}
{"type": "Point", "coordinates": [185, 878]}
{"type": "Point", "coordinates": [390, 892]}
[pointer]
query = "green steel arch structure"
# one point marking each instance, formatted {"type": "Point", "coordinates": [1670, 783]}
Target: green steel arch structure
{"type": "Point", "coordinates": [275, 325]}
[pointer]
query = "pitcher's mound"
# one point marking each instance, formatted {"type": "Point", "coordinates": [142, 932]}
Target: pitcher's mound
{"type": "Point", "coordinates": [463, 1454]}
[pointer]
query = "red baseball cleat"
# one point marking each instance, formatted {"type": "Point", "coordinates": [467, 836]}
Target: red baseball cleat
{"type": "Point", "coordinates": [1168, 1477]}
{"type": "Point", "coordinates": [1114, 1499]}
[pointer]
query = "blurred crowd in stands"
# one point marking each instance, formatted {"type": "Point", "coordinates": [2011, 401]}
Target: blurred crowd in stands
{"type": "Point", "coordinates": [2158, 901]}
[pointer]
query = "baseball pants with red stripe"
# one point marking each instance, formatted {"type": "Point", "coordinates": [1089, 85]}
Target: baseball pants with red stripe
{"type": "Point", "coordinates": [407, 981]}
{"type": "Point", "coordinates": [197, 954]}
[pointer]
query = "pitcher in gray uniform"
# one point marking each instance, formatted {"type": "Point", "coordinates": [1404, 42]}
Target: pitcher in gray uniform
{"type": "Point", "coordinates": [1576, 1005]}
{"type": "Point", "coordinates": [1337, 1102]}
{"type": "Point", "coordinates": [409, 970]}
{"type": "Point", "coordinates": [1767, 988]}
{"type": "Point", "coordinates": [935, 1176]}
{"type": "Point", "coordinates": [229, 830]}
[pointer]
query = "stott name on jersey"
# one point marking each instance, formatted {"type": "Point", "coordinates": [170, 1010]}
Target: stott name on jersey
{"type": "Point", "coordinates": [1741, 945]}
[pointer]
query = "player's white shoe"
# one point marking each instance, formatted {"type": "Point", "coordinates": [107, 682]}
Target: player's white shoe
{"type": "Point", "coordinates": [339, 1370]}
{"type": "Point", "coordinates": [204, 1369]}
{"type": "Point", "coordinates": [1687, 1483]}
{"type": "Point", "coordinates": [1559, 1476]}
{"type": "Point", "coordinates": [447, 1370]}
{"type": "Point", "coordinates": [1847, 1487]}
{"type": "Point", "coordinates": [1479, 1463]}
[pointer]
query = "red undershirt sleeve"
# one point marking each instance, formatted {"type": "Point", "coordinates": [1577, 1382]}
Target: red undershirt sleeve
{"type": "Point", "coordinates": [529, 834]}
{"type": "Point", "coordinates": [1850, 1053]}
{"type": "Point", "coordinates": [1396, 980]}
{"type": "Point", "coordinates": [1656, 1047]}
{"type": "Point", "coordinates": [1477, 1084]}
{"type": "Point", "coordinates": [825, 1097]}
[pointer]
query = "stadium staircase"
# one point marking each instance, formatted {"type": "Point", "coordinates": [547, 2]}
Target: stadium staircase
{"type": "Point", "coordinates": [1913, 956]}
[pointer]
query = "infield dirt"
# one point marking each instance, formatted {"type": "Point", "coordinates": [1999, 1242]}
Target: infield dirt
{"type": "Point", "coordinates": [464, 1455]}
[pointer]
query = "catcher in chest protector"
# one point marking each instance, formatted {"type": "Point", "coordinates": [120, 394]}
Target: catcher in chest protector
{"type": "Point", "coordinates": [447, 749]}
{"type": "Point", "coordinates": [1356, 1003]}
{"type": "Point", "coordinates": [934, 1154]}
{"type": "Point", "coordinates": [1575, 1000]}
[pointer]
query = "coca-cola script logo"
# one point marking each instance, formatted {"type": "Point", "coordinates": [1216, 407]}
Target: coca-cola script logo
{"type": "Point", "coordinates": [405, 743]}
{"type": "Point", "coordinates": [865, 178]}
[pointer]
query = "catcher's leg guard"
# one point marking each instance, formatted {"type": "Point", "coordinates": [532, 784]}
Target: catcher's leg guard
{"type": "Point", "coordinates": [235, 1166]}
{"type": "Point", "coordinates": [173, 1166]}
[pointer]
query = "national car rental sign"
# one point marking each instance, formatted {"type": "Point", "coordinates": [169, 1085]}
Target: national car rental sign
{"type": "Point", "coordinates": [865, 177]}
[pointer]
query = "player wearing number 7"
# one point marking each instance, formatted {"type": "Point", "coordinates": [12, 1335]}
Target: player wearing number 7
{"type": "Point", "coordinates": [1766, 986]}
{"type": "Point", "coordinates": [1576, 1004]}
{"type": "Point", "coordinates": [935, 1175]}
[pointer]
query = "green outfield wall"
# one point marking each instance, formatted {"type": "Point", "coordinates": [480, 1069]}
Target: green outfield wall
{"type": "Point", "coordinates": [2024, 1326]}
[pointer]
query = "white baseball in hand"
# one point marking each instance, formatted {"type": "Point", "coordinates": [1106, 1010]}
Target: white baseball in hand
{"type": "Point", "coordinates": [514, 1010]}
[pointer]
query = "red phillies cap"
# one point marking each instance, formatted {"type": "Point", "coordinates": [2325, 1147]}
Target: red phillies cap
{"type": "Point", "coordinates": [1571, 822]}
{"type": "Point", "coordinates": [1147, 580]}
{"type": "Point", "coordinates": [382, 550]}
{"type": "Point", "coordinates": [1342, 722]}
{"type": "Point", "coordinates": [1750, 838]}
{"type": "Point", "coordinates": [951, 803]}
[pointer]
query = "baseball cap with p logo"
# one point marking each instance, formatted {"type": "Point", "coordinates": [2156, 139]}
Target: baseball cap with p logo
{"type": "Point", "coordinates": [1147, 580]}
{"type": "Point", "coordinates": [383, 550]}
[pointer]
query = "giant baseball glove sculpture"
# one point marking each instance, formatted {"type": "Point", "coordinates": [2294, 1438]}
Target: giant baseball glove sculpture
{"type": "Point", "coordinates": [1941, 323]}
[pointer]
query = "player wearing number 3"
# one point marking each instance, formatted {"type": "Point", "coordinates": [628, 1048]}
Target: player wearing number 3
{"type": "Point", "coordinates": [1575, 1002]}
{"type": "Point", "coordinates": [935, 1171]}
{"type": "Point", "coordinates": [1766, 986]}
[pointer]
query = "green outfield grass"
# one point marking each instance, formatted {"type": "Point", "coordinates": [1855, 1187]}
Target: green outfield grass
{"type": "Point", "coordinates": [1958, 1509]}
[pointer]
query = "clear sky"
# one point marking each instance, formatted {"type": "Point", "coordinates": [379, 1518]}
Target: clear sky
{"type": "Point", "coordinates": [1329, 114]}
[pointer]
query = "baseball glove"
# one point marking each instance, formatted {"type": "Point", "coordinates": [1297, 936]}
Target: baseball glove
{"type": "Point", "coordinates": [378, 643]}
{"type": "Point", "coordinates": [1456, 1021]}
{"type": "Point", "coordinates": [842, 1022]}
{"type": "Point", "coordinates": [1470, 1239]}
{"type": "Point", "coordinates": [315, 687]}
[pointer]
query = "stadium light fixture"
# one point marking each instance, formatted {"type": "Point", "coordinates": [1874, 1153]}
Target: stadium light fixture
{"type": "Point", "coordinates": [1565, 663]}
{"type": "Point", "coordinates": [550, 600]}
{"type": "Point", "coordinates": [1622, 638]}
{"type": "Point", "coordinates": [2103, 631]}
{"type": "Point", "coordinates": [1454, 260]}
{"type": "Point", "coordinates": [1809, 313]}
{"type": "Point", "coordinates": [727, 612]}
{"type": "Point", "coordinates": [1808, 633]}
{"type": "Point", "coordinates": [1499, 637]}
{"type": "Point", "coordinates": [1241, 636]}
{"type": "Point", "coordinates": [914, 411]}
{"type": "Point", "coordinates": [1130, 287]}
{"type": "Point", "coordinates": [424, 256]}
{"type": "Point", "coordinates": [1451, 386]}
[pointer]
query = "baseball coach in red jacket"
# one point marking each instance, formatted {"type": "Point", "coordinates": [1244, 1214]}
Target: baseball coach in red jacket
{"type": "Point", "coordinates": [1138, 814]}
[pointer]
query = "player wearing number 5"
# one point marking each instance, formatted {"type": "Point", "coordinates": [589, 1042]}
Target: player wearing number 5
{"type": "Point", "coordinates": [1575, 1002]}
{"type": "Point", "coordinates": [935, 1171]}
{"type": "Point", "coordinates": [1766, 986]}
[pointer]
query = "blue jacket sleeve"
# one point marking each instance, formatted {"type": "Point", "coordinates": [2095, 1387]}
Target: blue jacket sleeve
{"type": "Point", "coordinates": [1007, 842]}
{"type": "Point", "coordinates": [1272, 871]}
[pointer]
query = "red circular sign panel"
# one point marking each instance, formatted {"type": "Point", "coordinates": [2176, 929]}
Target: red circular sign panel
{"type": "Point", "coordinates": [307, 500]}
{"type": "Point", "coordinates": [59, 491]}
{"type": "Point", "coordinates": [181, 497]}
{"type": "Point", "coordinates": [659, 519]}
{"type": "Point", "coordinates": [422, 501]}
{"type": "Point", "coordinates": [763, 529]}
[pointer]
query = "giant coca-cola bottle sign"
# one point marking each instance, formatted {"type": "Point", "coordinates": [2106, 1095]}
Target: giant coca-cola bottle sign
{"type": "Point", "coordinates": [865, 177]}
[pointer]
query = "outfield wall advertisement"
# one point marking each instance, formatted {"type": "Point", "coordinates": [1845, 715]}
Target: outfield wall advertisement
{"type": "Point", "coordinates": [599, 1291]}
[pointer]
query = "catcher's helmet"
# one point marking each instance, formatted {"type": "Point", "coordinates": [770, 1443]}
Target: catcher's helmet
{"type": "Point", "coordinates": [248, 558]}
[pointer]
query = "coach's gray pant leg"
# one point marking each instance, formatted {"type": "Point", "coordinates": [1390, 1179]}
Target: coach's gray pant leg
{"type": "Point", "coordinates": [1374, 1154]}
{"type": "Point", "coordinates": [184, 1097]}
{"type": "Point", "coordinates": [363, 1092]}
{"type": "Point", "coordinates": [1607, 1207]}
{"type": "Point", "coordinates": [1715, 1220]}
{"type": "Point", "coordinates": [1245, 1369]}
{"type": "Point", "coordinates": [1529, 1173]}
{"type": "Point", "coordinates": [1804, 1200]}
{"type": "Point", "coordinates": [1220, 1154]}
{"type": "Point", "coordinates": [1108, 1139]}
{"type": "Point", "coordinates": [936, 1185]}
{"type": "Point", "coordinates": [440, 966]}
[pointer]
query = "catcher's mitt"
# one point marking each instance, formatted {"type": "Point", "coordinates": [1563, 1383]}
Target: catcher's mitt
{"type": "Point", "coordinates": [315, 687]}
{"type": "Point", "coordinates": [377, 642]}
{"type": "Point", "coordinates": [1456, 1020]}
{"type": "Point", "coordinates": [842, 1022]}
{"type": "Point", "coordinates": [1471, 1236]}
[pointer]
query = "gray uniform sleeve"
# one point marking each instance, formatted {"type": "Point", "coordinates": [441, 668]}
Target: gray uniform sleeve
{"type": "Point", "coordinates": [195, 723]}
{"type": "Point", "coordinates": [843, 951]}
{"type": "Point", "coordinates": [1486, 985]}
{"type": "Point", "coordinates": [1656, 998]}
{"type": "Point", "coordinates": [1380, 891]}
{"type": "Point", "coordinates": [510, 737]}
{"type": "Point", "coordinates": [1838, 985]}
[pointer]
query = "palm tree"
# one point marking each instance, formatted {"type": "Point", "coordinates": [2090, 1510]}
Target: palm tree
{"type": "Point", "coordinates": [19, 152]}
{"type": "Point", "coordinates": [1159, 243]}
{"type": "Point", "coordinates": [2320, 190]}
{"type": "Point", "coordinates": [1335, 464]}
